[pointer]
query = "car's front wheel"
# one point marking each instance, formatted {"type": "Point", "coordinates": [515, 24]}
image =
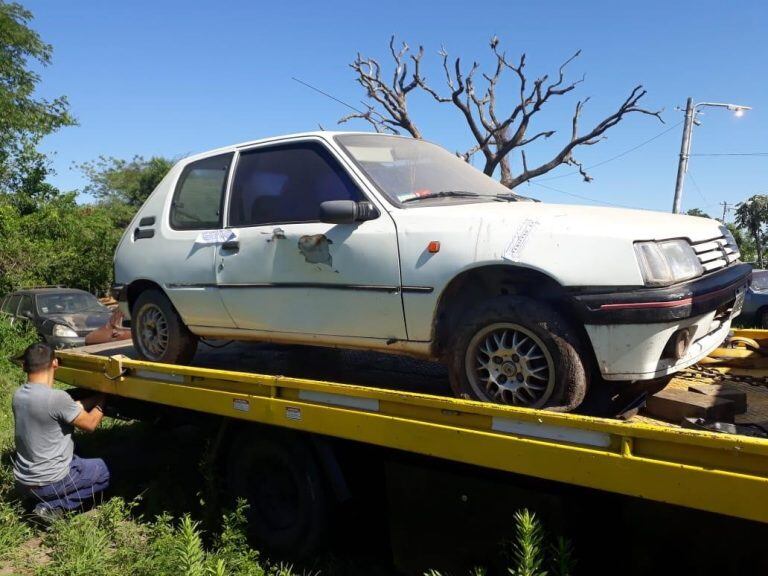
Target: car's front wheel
{"type": "Point", "coordinates": [159, 334]}
{"type": "Point", "coordinates": [520, 352]}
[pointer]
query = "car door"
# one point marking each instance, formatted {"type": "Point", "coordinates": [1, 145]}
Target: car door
{"type": "Point", "coordinates": [26, 309]}
{"type": "Point", "coordinates": [289, 272]}
{"type": "Point", "coordinates": [183, 261]}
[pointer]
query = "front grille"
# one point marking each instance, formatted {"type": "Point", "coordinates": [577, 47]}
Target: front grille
{"type": "Point", "coordinates": [716, 253]}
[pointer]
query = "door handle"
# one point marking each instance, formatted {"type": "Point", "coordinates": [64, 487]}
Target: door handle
{"type": "Point", "coordinates": [233, 245]}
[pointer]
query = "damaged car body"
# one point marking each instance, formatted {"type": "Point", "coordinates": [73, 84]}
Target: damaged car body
{"type": "Point", "coordinates": [63, 317]}
{"type": "Point", "coordinates": [385, 243]}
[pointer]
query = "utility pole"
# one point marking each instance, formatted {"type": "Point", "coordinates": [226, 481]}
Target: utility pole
{"type": "Point", "coordinates": [685, 148]}
{"type": "Point", "coordinates": [725, 206]}
{"type": "Point", "coordinates": [691, 110]}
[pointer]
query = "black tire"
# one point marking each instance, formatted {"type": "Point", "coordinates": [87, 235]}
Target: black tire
{"type": "Point", "coordinates": [288, 501]}
{"type": "Point", "coordinates": [178, 345]}
{"type": "Point", "coordinates": [567, 377]}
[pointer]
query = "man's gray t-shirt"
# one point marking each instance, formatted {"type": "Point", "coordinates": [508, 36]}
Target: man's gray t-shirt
{"type": "Point", "coordinates": [43, 434]}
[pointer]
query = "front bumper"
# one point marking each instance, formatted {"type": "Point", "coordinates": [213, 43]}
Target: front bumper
{"type": "Point", "coordinates": [630, 330]}
{"type": "Point", "coordinates": [653, 305]}
{"type": "Point", "coordinates": [60, 342]}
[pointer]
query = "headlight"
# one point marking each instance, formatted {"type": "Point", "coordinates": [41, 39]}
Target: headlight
{"type": "Point", "coordinates": [667, 262]}
{"type": "Point", "coordinates": [64, 331]}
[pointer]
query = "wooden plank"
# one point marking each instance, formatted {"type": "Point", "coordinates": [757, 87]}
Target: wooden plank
{"type": "Point", "coordinates": [673, 405]}
{"type": "Point", "coordinates": [725, 392]}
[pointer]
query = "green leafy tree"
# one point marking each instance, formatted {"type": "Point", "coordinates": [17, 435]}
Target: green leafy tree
{"type": "Point", "coordinates": [124, 185]}
{"type": "Point", "coordinates": [751, 215]}
{"type": "Point", "coordinates": [24, 119]}
{"type": "Point", "coordinates": [744, 242]}
{"type": "Point", "coordinates": [58, 241]}
{"type": "Point", "coordinates": [698, 212]}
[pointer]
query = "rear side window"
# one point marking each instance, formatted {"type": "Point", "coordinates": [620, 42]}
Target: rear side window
{"type": "Point", "coordinates": [11, 303]}
{"type": "Point", "coordinates": [198, 197]}
{"type": "Point", "coordinates": [287, 183]}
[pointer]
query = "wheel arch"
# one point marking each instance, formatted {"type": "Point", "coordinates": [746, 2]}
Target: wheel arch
{"type": "Point", "coordinates": [492, 280]}
{"type": "Point", "coordinates": [137, 287]}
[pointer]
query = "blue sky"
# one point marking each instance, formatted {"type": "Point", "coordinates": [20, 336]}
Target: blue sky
{"type": "Point", "coordinates": [177, 77]}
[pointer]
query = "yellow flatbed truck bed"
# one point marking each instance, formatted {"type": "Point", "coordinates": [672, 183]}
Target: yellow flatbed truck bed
{"type": "Point", "coordinates": [726, 474]}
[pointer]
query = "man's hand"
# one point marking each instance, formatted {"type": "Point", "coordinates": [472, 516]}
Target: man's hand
{"type": "Point", "coordinates": [89, 419]}
{"type": "Point", "coordinates": [92, 401]}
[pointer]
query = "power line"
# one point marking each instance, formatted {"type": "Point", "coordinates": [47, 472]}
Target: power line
{"type": "Point", "coordinates": [620, 155]}
{"type": "Point", "coordinates": [732, 154]}
{"type": "Point", "coordinates": [579, 196]}
{"type": "Point", "coordinates": [696, 185]}
{"type": "Point", "coordinates": [308, 85]}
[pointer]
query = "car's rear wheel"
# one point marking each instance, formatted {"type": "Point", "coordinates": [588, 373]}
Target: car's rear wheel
{"type": "Point", "coordinates": [516, 351]}
{"type": "Point", "coordinates": [158, 332]}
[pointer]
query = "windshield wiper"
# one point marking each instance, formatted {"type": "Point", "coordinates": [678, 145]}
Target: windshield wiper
{"type": "Point", "coordinates": [442, 194]}
{"type": "Point", "coordinates": [509, 197]}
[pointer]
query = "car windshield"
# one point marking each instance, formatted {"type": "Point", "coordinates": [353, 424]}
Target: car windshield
{"type": "Point", "coordinates": [760, 281]}
{"type": "Point", "coordinates": [68, 303]}
{"type": "Point", "coordinates": [415, 171]}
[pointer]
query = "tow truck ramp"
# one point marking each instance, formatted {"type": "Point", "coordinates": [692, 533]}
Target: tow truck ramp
{"type": "Point", "coordinates": [726, 474]}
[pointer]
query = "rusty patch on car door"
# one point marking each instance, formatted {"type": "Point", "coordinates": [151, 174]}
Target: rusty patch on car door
{"type": "Point", "coordinates": [315, 249]}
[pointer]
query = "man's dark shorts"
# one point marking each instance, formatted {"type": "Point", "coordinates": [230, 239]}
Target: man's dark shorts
{"type": "Point", "coordinates": [77, 490]}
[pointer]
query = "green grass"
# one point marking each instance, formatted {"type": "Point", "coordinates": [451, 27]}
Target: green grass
{"type": "Point", "coordinates": [165, 519]}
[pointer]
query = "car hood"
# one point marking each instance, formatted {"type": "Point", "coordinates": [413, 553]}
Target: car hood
{"type": "Point", "coordinates": [575, 245]}
{"type": "Point", "coordinates": [600, 221]}
{"type": "Point", "coordinates": [81, 321]}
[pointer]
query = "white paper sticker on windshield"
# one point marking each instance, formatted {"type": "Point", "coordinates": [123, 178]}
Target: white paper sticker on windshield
{"type": "Point", "coordinates": [215, 236]}
{"type": "Point", "coordinates": [519, 240]}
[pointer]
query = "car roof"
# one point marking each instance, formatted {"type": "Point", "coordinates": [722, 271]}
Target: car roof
{"type": "Point", "coordinates": [34, 291]}
{"type": "Point", "coordinates": [325, 134]}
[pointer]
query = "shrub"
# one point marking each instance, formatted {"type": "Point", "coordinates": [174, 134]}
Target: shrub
{"type": "Point", "coordinates": [14, 338]}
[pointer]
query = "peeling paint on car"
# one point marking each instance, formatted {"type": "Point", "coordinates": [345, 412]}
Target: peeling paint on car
{"type": "Point", "coordinates": [315, 249]}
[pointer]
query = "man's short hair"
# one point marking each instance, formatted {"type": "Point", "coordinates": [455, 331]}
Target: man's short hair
{"type": "Point", "coordinates": [38, 356]}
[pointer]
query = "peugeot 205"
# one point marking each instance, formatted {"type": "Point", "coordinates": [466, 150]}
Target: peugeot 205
{"type": "Point", "coordinates": [386, 243]}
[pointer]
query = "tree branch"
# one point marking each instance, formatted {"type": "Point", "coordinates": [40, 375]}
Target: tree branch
{"type": "Point", "coordinates": [495, 134]}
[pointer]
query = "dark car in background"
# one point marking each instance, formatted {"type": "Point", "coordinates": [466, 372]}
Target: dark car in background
{"type": "Point", "coordinates": [63, 317]}
{"type": "Point", "coordinates": [755, 311]}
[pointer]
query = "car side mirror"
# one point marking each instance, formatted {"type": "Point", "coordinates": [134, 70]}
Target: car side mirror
{"type": "Point", "coordinates": [346, 211]}
{"type": "Point", "coordinates": [27, 314]}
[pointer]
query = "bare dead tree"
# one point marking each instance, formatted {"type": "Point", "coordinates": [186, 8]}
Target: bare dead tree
{"type": "Point", "coordinates": [496, 136]}
{"type": "Point", "coordinates": [392, 96]}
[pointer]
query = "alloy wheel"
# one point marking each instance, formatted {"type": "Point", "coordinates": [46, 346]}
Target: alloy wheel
{"type": "Point", "coordinates": [152, 331]}
{"type": "Point", "coordinates": [509, 364]}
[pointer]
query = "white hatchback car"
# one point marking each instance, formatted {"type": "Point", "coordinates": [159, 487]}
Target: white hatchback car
{"type": "Point", "coordinates": [385, 243]}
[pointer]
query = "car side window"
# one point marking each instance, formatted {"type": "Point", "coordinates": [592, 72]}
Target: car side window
{"type": "Point", "coordinates": [27, 306]}
{"type": "Point", "coordinates": [11, 304]}
{"type": "Point", "coordinates": [287, 183]}
{"type": "Point", "coordinates": [197, 199]}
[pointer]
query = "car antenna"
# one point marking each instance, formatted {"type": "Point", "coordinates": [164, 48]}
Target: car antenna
{"type": "Point", "coordinates": [308, 85]}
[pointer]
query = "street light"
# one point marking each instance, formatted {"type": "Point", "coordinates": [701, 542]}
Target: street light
{"type": "Point", "coordinates": [691, 111]}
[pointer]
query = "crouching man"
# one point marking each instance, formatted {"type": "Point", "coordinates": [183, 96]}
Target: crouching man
{"type": "Point", "coordinates": [45, 466]}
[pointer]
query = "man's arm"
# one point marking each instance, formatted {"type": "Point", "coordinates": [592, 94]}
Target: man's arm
{"type": "Point", "coordinates": [89, 420]}
{"type": "Point", "coordinates": [89, 402]}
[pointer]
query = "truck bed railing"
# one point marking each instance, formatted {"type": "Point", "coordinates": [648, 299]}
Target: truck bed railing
{"type": "Point", "coordinates": [721, 473]}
